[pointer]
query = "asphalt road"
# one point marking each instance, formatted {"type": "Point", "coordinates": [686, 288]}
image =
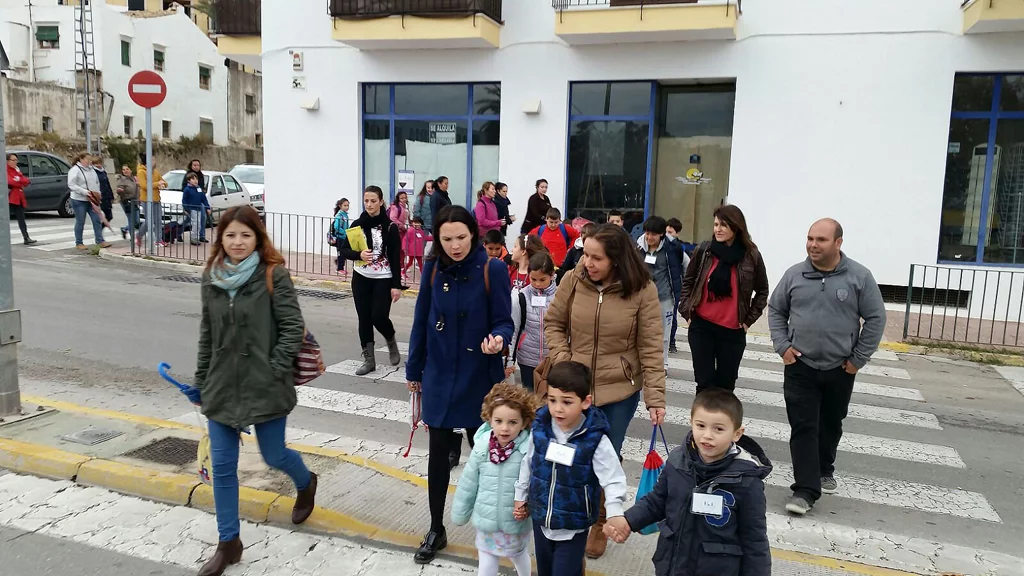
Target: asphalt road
{"type": "Point", "coordinates": [99, 329]}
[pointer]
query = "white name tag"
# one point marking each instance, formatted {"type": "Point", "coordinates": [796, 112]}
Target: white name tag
{"type": "Point", "coordinates": [706, 504]}
{"type": "Point", "coordinates": [539, 302]}
{"type": "Point", "coordinates": [560, 453]}
{"type": "Point", "coordinates": [651, 259]}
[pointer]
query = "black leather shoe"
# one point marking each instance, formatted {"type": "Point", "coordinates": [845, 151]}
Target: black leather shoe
{"type": "Point", "coordinates": [433, 543]}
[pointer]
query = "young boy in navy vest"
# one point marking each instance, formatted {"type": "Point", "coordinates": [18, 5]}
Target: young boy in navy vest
{"type": "Point", "coordinates": [568, 464]}
{"type": "Point", "coordinates": [709, 500]}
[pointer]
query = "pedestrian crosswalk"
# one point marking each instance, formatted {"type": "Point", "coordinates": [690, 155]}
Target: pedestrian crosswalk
{"type": "Point", "coordinates": [59, 233]}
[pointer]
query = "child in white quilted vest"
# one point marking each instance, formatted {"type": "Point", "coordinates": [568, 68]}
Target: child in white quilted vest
{"type": "Point", "coordinates": [486, 491]}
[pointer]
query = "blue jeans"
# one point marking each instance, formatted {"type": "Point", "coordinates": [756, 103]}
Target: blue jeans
{"type": "Point", "coordinates": [619, 415]}
{"type": "Point", "coordinates": [82, 208]}
{"type": "Point", "coordinates": [131, 211]}
{"type": "Point", "coordinates": [559, 557]}
{"type": "Point", "coordinates": [224, 456]}
{"type": "Point", "coordinates": [198, 220]}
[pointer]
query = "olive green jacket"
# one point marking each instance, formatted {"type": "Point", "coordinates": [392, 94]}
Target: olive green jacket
{"type": "Point", "coordinates": [247, 349]}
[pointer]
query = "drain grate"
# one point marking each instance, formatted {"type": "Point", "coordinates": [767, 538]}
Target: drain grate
{"type": "Point", "coordinates": [306, 292]}
{"type": "Point", "coordinates": [91, 436]}
{"type": "Point", "coordinates": [173, 451]}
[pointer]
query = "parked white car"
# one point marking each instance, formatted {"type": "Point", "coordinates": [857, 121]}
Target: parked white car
{"type": "Point", "coordinates": [222, 190]}
{"type": "Point", "coordinates": [251, 176]}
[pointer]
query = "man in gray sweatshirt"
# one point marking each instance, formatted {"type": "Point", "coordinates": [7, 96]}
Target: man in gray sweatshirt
{"type": "Point", "coordinates": [815, 316]}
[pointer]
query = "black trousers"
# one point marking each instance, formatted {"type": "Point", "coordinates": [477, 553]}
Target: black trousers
{"type": "Point", "coordinates": [816, 404]}
{"type": "Point", "coordinates": [19, 213]}
{"type": "Point", "coordinates": [717, 352]}
{"type": "Point", "coordinates": [373, 306]}
{"type": "Point", "coordinates": [439, 475]}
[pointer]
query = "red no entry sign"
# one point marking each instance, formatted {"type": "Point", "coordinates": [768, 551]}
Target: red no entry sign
{"type": "Point", "coordinates": [147, 89]}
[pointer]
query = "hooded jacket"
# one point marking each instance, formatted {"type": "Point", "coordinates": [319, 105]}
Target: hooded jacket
{"type": "Point", "coordinates": [735, 544]}
{"type": "Point", "coordinates": [16, 183]}
{"type": "Point", "coordinates": [620, 339]}
{"type": "Point", "coordinates": [487, 491]}
{"type": "Point", "coordinates": [486, 213]}
{"type": "Point", "coordinates": [454, 312]}
{"type": "Point", "coordinates": [819, 314]}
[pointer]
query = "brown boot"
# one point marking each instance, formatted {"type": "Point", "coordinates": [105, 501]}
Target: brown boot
{"type": "Point", "coordinates": [597, 542]}
{"type": "Point", "coordinates": [305, 502]}
{"type": "Point", "coordinates": [227, 553]}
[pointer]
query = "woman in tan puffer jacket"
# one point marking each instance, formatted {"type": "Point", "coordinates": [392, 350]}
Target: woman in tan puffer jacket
{"type": "Point", "coordinates": [608, 308]}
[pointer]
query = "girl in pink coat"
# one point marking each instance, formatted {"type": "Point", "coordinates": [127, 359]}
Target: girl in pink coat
{"type": "Point", "coordinates": [415, 245]}
{"type": "Point", "coordinates": [399, 214]}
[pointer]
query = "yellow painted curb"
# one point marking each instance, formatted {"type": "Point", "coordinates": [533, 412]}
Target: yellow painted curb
{"type": "Point", "coordinates": [898, 347]}
{"type": "Point", "coordinates": [252, 504]}
{"type": "Point", "coordinates": [38, 460]}
{"type": "Point", "coordinates": [138, 481]}
{"type": "Point", "coordinates": [113, 414]}
{"type": "Point", "coordinates": [825, 562]}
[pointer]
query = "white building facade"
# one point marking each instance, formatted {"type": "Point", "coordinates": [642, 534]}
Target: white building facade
{"type": "Point", "coordinates": [888, 116]}
{"type": "Point", "coordinates": [41, 46]}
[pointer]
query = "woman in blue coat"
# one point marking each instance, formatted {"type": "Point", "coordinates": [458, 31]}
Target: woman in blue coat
{"type": "Point", "coordinates": [462, 321]}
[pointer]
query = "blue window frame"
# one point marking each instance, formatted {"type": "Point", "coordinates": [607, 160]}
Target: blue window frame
{"type": "Point", "coordinates": [983, 196]}
{"type": "Point", "coordinates": [609, 150]}
{"type": "Point", "coordinates": [434, 104]}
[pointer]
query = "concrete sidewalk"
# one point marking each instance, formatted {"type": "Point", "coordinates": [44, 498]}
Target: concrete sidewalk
{"type": "Point", "coordinates": [381, 498]}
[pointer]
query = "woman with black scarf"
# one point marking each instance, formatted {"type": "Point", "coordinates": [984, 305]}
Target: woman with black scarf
{"type": "Point", "coordinates": [374, 243]}
{"type": "Point", "coordinates": [725, 290]}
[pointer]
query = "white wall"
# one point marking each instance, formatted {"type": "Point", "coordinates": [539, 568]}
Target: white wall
{"type": "Point", "coordinates": [185, 46]}
{"type": "Point", "coordinates": [842, 110]}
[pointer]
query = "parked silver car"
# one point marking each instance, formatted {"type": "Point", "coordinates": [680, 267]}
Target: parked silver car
{"type": "Point", "coordinates": [222, 190]}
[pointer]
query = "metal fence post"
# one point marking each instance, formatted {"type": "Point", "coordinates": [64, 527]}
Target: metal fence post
{"type": "Point", "coordinates": [10, 317]}
{"type": "Point", "coordinates": [910, 292]}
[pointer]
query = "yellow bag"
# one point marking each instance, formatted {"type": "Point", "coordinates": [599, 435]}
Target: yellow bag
{"type": "Point", "coordinates": [357, 241]}
{"type": "Point", "coordinates": [205, 461]}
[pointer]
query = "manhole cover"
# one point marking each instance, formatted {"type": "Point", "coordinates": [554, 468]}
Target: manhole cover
{"type": "Point", "coordinates": [91, 436]}
{"type": "Point", "coordinates": [173, 451]}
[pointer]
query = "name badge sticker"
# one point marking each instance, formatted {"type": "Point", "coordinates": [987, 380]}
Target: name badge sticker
{"type": "Point", "coordinates": [707, 504]}
{"type": "Point", "coordinates": [560, 453]}
{"type": "Point", "coordinates": [539, 302]}
{"type": "Point", "coordinates": [651, 259]}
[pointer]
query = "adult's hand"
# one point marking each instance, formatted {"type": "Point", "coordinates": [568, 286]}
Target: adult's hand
{"type": "Point", "coordinates": [849, 367]}
{"type": "Point", "coordinates": [745, 327]}
{"type": "Point", "coordinates": [395, 294]}
{"type": "Point", "coordinates": [366, 255]}
{"type": "Point", "coordinates": [657, 416]}
{"type": "Point", "coordinates": [414, 386]}
{"type": "Point", "coordinates": [492, 344]}
{"type": "Point", "coordinates": [789, 356]}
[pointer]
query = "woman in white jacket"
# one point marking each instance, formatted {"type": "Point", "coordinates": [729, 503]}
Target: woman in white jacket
{"type": "Point", "coordinates": [84, 186]}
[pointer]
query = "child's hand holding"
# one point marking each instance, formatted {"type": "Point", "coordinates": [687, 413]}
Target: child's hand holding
{"type": "Point", "coordinates": [509, 370]}
{"type": "Point", "coordinates": [617, 528]}
{"type": "Point", "coordinates": [520, 512]}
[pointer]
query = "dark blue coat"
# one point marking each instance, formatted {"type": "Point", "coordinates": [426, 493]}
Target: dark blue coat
{"type": "Point", "coordinates": [454, 372]}
{"type": "Point", "coordinates": [676, 255]}
{"type": "Point", "coordinates": [735, 544]}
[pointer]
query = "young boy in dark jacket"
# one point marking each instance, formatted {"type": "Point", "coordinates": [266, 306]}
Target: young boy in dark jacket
{"type": "Point", "coordinates": [709, 500]}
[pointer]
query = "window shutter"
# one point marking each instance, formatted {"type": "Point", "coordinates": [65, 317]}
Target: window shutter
{"type": "Point", "coordinates": [48, 33]}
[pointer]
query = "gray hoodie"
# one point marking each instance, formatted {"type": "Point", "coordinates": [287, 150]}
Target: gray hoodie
{"type": "Point", "coordinates": [819, 314]}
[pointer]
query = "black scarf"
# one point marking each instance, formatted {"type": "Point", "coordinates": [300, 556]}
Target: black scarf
{"type": "Point", "coordinates": [368, 223]}
{"type": "Point", "coordinates": [720, 281]}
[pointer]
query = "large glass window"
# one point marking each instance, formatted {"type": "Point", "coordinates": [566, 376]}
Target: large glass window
{"type": "Point", "coordinates": [432, 130]}
{"type": "Point", "coordinates": [983, 195]}
{"type": "Point", "coordinates": [609, 150]}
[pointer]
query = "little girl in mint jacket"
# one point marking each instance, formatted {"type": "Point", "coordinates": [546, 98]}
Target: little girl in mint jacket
{"type": "Point", "coordinates": [487, 487]}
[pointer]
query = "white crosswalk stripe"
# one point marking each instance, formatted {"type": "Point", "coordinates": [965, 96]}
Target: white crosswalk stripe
{"type": "Point", "coordinates": [53, 236]}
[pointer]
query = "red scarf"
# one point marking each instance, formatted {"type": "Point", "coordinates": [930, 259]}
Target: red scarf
{"type": "Point", "coordinates": [497, 453]}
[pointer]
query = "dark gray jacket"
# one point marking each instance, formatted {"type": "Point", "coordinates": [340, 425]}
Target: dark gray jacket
{"type": "Point", "coordinates": [819, 314]}
{"type": "Point", "coordinates": [661, 270]}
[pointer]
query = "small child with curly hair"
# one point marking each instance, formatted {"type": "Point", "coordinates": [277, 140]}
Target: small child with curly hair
{"type": "Point", "coordinates": [487, 486]}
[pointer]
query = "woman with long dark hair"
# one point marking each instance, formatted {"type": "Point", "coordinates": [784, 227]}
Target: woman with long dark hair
{"type": "Point", "coordinates": [460, 326]}
{"type": "Point", "coordinates": [608, 309]}
{"type": "Point", "coordinates": [725, 290]}
{"type": "Point", "coordinates": [486, 211]}
{"type": "Point", "coordinates": [373, 242]}
{"type": "Point", "coordinates": [250, 333]}
{"type": "Point", "coordinates": [536, 207]}
{"type": "Point", "coordinates": [421, 207]}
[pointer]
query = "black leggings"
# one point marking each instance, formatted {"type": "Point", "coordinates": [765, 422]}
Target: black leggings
{"type": "Point", "coordinates": [18, 211]}
{"type": "Point", "coordinates": [373, 306]}
{"type": "Point", "coordinates": [442, 441]}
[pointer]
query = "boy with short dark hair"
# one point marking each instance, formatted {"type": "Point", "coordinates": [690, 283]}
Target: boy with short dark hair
{"type": "Point", "coordinates": [572, 257]}
{"type": "Point", "coordinates": [494, 242]}
{"type": "Point", "coordinates": [555, 235]}
{"type": "Point", "coordinates": [710, 497]}
{"type": "Point", "coordinates": [615, 217]}
{"type": "Point", "coordinates": [677, 252]}
{"type": "Point", "coordinates": [568, 464]}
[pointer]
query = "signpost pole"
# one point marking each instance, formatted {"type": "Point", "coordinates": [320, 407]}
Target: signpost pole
{"type": "Point", "coordinates": [10, 317]}
{"type": "Point", "coordinates": [154, 227]}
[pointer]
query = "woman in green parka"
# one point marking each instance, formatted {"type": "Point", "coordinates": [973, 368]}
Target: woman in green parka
{"type": "Point", "coordinates": [250, 333]}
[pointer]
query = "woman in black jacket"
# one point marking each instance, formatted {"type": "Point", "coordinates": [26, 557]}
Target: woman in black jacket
{"type": "Point", "coordinates": [537, 207]}
{"type": "Point", "coordinates": [503, 203]}
{"type": "Point", "coordinates": [374, 244]}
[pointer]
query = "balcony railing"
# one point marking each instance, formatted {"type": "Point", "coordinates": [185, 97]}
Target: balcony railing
{"type": "Point", "coordinates": [359, 9]}
{"type": "Point", "coordinates": [566, 4]}
{"type": "Point", "coordinates": [237, 17]}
